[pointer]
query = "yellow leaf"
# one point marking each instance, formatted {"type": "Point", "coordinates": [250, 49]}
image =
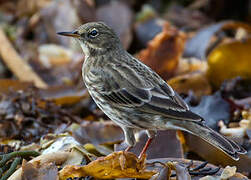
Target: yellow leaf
{"type": "Point", "coordinates": [116, 165]}
{"type": "Point", "coordinates": [229, 60]}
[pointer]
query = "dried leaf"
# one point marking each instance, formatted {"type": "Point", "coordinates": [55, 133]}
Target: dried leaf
{"type": "Point", "coordinates": [64, 95]}
{"type": "Point", "coordinates": [97, 133]}
{"type": "Point", "coordinates": [228, 172]}
{"type": "Point", "coordinates": [197, 46]}
{"type": "Point", "coordinates": [25, 116]}
{"type": "Point", "coordinates": [237, 132]}
{"type": "Point", "coordinates": [116, 165]}
{"type": "Point", "coordinates": [196, 82]}
{"type": "Point", "coordinates": [54, 143]}
{"type": "Point", "coordinates": [181, 172]}
{"type": "Point", "coordinates": [188, 65]}
{"type": "Point", "coordinates": [228, 61]}
{"type": "Point", "coordinates": [164, 51]}
{"type": "Point", "coordinates": [36, 171]}
{"type": "Point", "coordinates": [237, 88]}
{"type": "Point", "coordinates": [54, 55]}
{"type": "Point", "coordinates": [55, 158]}
{"type": "Point", "coordinates": [213, 155]}
{"type": "Point", "coordinates": [164, 174]}
{"type": "Point", "coordinates": [16, 64]}
{"type": "Point", "coordinates": [8, 85]}
{"type": "Point", "coordinates": [213, 108]}
{"type": "Point", "coordinates": [178, 166]}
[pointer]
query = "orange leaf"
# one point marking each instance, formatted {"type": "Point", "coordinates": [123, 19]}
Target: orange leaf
{"type": "Point", "coordinates": [116, 165]}
{"type": "Point", "coordinates": [164, 51]}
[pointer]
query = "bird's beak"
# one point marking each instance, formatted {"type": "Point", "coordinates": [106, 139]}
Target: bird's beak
{"type": "Point", "coordinates": [71, 34]}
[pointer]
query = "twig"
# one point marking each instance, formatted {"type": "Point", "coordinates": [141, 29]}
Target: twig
{"type": "Point", "coordinates": [16, 64]}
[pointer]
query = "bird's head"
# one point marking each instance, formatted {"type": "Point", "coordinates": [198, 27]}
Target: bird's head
{"type": "Point", "coordinates": [95, 37]}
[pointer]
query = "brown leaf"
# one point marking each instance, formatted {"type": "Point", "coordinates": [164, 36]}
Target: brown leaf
{"type": "Point", "coordinates": [40, 172]}
{"type": "Point", "coordinates": [15, 85]}
{"type": "Point", "coordinates": [181, 171]}
{"type": "Point", "coordinates": [64, 95]}
{"type": "Point", "coordinates": [99, 133]}
{"type": "Point", "coordinates": [164, 51]}
{"type": "Point", "coordinates": [26, 116]}
{"type": "Point", "coordinates": [43, 160]}
{"type": "Point", "coordinates": [164, 174]}
{"type": "Point", "coordinates": [169, 166]}
{"type": "Point", "coordinates": [116, 165]}
{"type": "Point", "coordinates": [54, 55]}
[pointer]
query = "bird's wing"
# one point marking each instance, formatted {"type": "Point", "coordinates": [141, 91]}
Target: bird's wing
{"type": "Point", "coordinates": [124, 86]}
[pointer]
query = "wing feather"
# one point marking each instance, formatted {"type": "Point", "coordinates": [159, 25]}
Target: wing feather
{"type": "Point", "coordinates": [157, 98]}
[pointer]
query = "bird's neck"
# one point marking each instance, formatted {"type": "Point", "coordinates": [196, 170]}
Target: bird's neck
{"type": "Point", "coordinates": [90, 51]}
{"type": "Point", "coordinates": [99, 60]}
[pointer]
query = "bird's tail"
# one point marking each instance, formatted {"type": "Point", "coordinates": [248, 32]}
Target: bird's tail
{"type": "Point", "coordinates": [227, 146]}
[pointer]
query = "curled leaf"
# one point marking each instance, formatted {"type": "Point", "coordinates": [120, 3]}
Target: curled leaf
{"type": "Point", "coordinates": [164, 51]}
{"type": "Point", "coordinates": [228, 172]}
{"type": "Point", "coordinates": [229, 60]}
{"type": "Point", "coordinates": [116, 165]}
{"type": "Point", "coordinates": [195, 81]}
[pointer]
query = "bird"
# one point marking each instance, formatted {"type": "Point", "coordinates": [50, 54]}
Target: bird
{"type": "Point", "coordinates": [135, 97]}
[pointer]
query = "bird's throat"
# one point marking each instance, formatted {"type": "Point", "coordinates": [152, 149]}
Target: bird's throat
{"type": "Point", "coordinates": [85, 49]}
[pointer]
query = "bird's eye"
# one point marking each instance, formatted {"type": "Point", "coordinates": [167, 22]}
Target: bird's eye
{"type": "Point", "coordinates": [93, 33]}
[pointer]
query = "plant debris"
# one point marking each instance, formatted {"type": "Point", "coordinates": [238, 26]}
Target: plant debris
{"type": "Point", "coordinates": [200, 48]}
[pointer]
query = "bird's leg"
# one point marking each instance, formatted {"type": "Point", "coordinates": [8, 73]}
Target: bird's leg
{"type": "Point", "coordinates": [151, 135]}
{"type": "Point", "coordinates": [129, 138]}
{"type": "Point", "coordinates": [148, 142]}
{"type": "Point", "coordinates": [128, 148]}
